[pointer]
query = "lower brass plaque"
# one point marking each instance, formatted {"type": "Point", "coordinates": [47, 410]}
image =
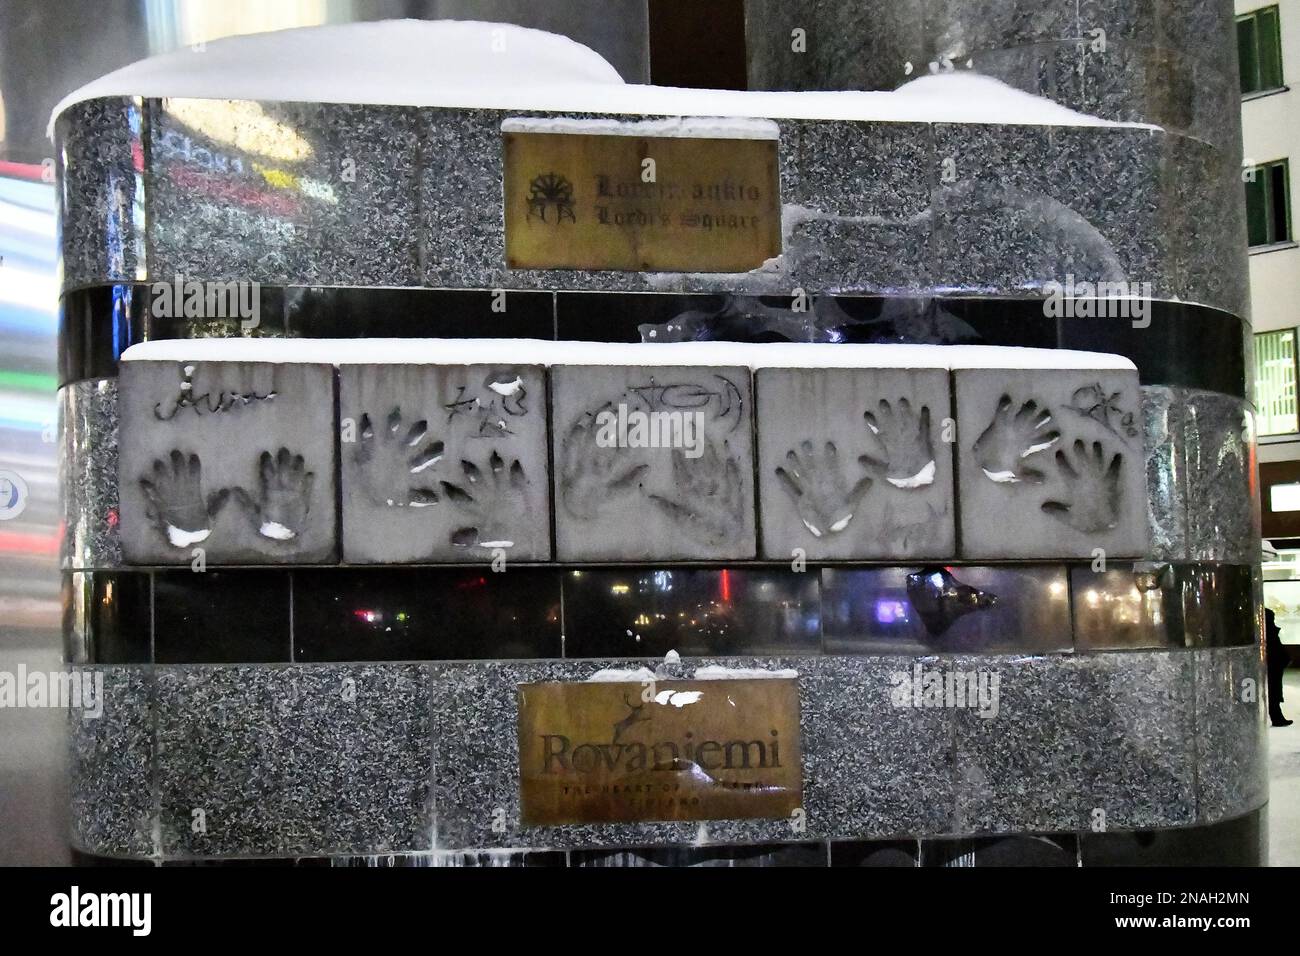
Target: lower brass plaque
{"type": "Point", "coordinates": [648, 204]}
{"type": "Point", "coordinates": [694, 750]}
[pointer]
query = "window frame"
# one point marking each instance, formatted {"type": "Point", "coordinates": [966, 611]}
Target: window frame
{"type": "Point", "coordinates": [1263, 179]}
{"type": "Point", "coordinates": [1265, 404]}
{"type": "Point", "coordinates": [1258, 83]}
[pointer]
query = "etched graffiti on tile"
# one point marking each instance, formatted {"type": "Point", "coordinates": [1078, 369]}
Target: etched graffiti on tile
{"type": "Point", "coordinates": [823, 496]}
{"type": "Point", "coordinates": [501, 397]}
{"type": "Point", "coordinates": [208, 402]}
{"type": "Point", "coordinates": [1093, 401]}
{"type": "Point", "coordinates": [395, 464]}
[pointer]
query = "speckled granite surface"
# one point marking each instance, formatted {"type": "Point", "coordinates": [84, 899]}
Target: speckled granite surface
{"type": "Point", "coordinates": [101, 205]}
{"type": "Point", "coordinates": [354, 759]}
{"type": "Point", "coordinates": [1167, 62]}
{"type": "Point", "coordinates": [1231, 722]}
{"type": "Point", "coordinates": [111, 768]}
{"type": "Point", "coordinates": [868, 207]}
{"type": "Point", "coordinates": [332, 758]}
{"type": "Point", "coordinates": [88, 421]}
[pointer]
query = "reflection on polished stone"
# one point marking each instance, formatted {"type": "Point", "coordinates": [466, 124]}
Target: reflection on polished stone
{"type": "Point", "coordinates": [1217, 605]}
{"type": "Point", "coordinates": [928, 610]}
{"type": "Point", "coordinates": [646, 613]}
{"type": "Point", "coordinates": [940, 599]}
{"type": "Point", "coordinates": [1057, 849]}
{"type": "Point", "coordinates": [1126, 606]}
{"type": "Point", "coordinates": [392, 614]}
{"type": "Point", "coordinates": [876, 853]}
{"type": "Point", "coordinates": [787, 854]}
{"type": "Point", "coordinates": [108, 617]}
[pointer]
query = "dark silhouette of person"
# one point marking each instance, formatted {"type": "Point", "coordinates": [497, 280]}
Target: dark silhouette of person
{"type": "Point", "coordinates": [1276, 659]}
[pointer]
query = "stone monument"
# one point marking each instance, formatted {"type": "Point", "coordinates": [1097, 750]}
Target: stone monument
{"type": "Point", "coordinates": [862, 480]}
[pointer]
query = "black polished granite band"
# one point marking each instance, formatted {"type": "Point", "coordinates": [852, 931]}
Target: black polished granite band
{"type": "Point", "coordinates": [412, 613]}
{"type": "Point", "coordinates": [1175, 344]}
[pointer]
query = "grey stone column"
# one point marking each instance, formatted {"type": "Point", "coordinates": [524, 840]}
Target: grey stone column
{"type": "Point", "coordinates": [1172, 63]}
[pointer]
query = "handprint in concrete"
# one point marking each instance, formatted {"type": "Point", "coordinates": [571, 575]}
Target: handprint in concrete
{"type": "Point", "coordinates": [708, 503]}
{"type": "Point", "coordinates": [592, 475]}
{"type": "Point", "coordinates": [395, 462]}
{"type": "Point", "coordinates": [284, 485]}
{"type": "Point", "coordinates": [175, 501]}
{"type": "Point", "coordinates": [493, 501]}
{"type": "Point", "coordinates": [1006, 447]}
{"type": "Point", "coordinates": [1093, 487]}
{"type": "Point", "coordinates": [908, 448]}
{"type": "Point", "coordinates": [825, 499]}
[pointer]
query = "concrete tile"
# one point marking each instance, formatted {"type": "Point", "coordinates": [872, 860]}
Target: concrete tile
{"type": "Point", "coordinates": [237, 458]}
{"type": "Point", "coordinates": [852, 463]}
{"type": "Point", "coordinates": [692, 501]}
{"type": "Point", "coordinates": [1050, 464]}
{"type": "Point", "coordinates": [444, 463]}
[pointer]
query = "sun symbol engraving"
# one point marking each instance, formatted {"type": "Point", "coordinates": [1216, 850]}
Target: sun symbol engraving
{"type": "Point", "coordinates": [551, 190]}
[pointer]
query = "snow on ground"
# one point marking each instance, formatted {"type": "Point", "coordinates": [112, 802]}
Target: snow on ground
{"type": "Point", "coordinates": [545, 352]}
{"type": "Point", "coordinates": [474, 65]}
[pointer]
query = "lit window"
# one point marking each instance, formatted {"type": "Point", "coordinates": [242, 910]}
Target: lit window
{"type": "Point", "coordinates": [1284, 497]}
{"type": "Point", "coordinates": [1259, 50]}
{"type": "Point", "coordinates": [1275, 375]}
{"type": "Point", "coordinates": [1268, 203]}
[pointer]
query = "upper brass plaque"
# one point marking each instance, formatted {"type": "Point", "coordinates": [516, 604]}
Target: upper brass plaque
{"type": "Point", "coordinates": [583, 201]}
{"type": "Point", "coordinates": [679, 750]}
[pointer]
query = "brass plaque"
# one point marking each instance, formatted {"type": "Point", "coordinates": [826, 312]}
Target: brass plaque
{"type": "Point", "coordinates": [695, 750]}
{"type": "Point", "coordinates": [582, 201]}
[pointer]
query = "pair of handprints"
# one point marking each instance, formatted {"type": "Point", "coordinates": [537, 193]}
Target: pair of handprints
{"type": "Point", "coordinates": [827, 500]}
{"type": "Point", "coordinates": [277, 506]}
{"type": "Point", "coordinates": [707, 497]}
{"type": "Point", "coordinates": [399, 468]}
{"type": "Point", "coordinates": [1011, 449]}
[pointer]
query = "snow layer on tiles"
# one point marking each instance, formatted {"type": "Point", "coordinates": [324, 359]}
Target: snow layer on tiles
{"type": "Point", "coordinates": [619, 675]}
{"type": "Point", "coordinates": [715, 672]}
{"type": "Point", "coordinates": [754, 355]}
{"type": "Point", "coordinates": [474, 65]}
{"type": "Point", "coordinates": [678, 126]}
